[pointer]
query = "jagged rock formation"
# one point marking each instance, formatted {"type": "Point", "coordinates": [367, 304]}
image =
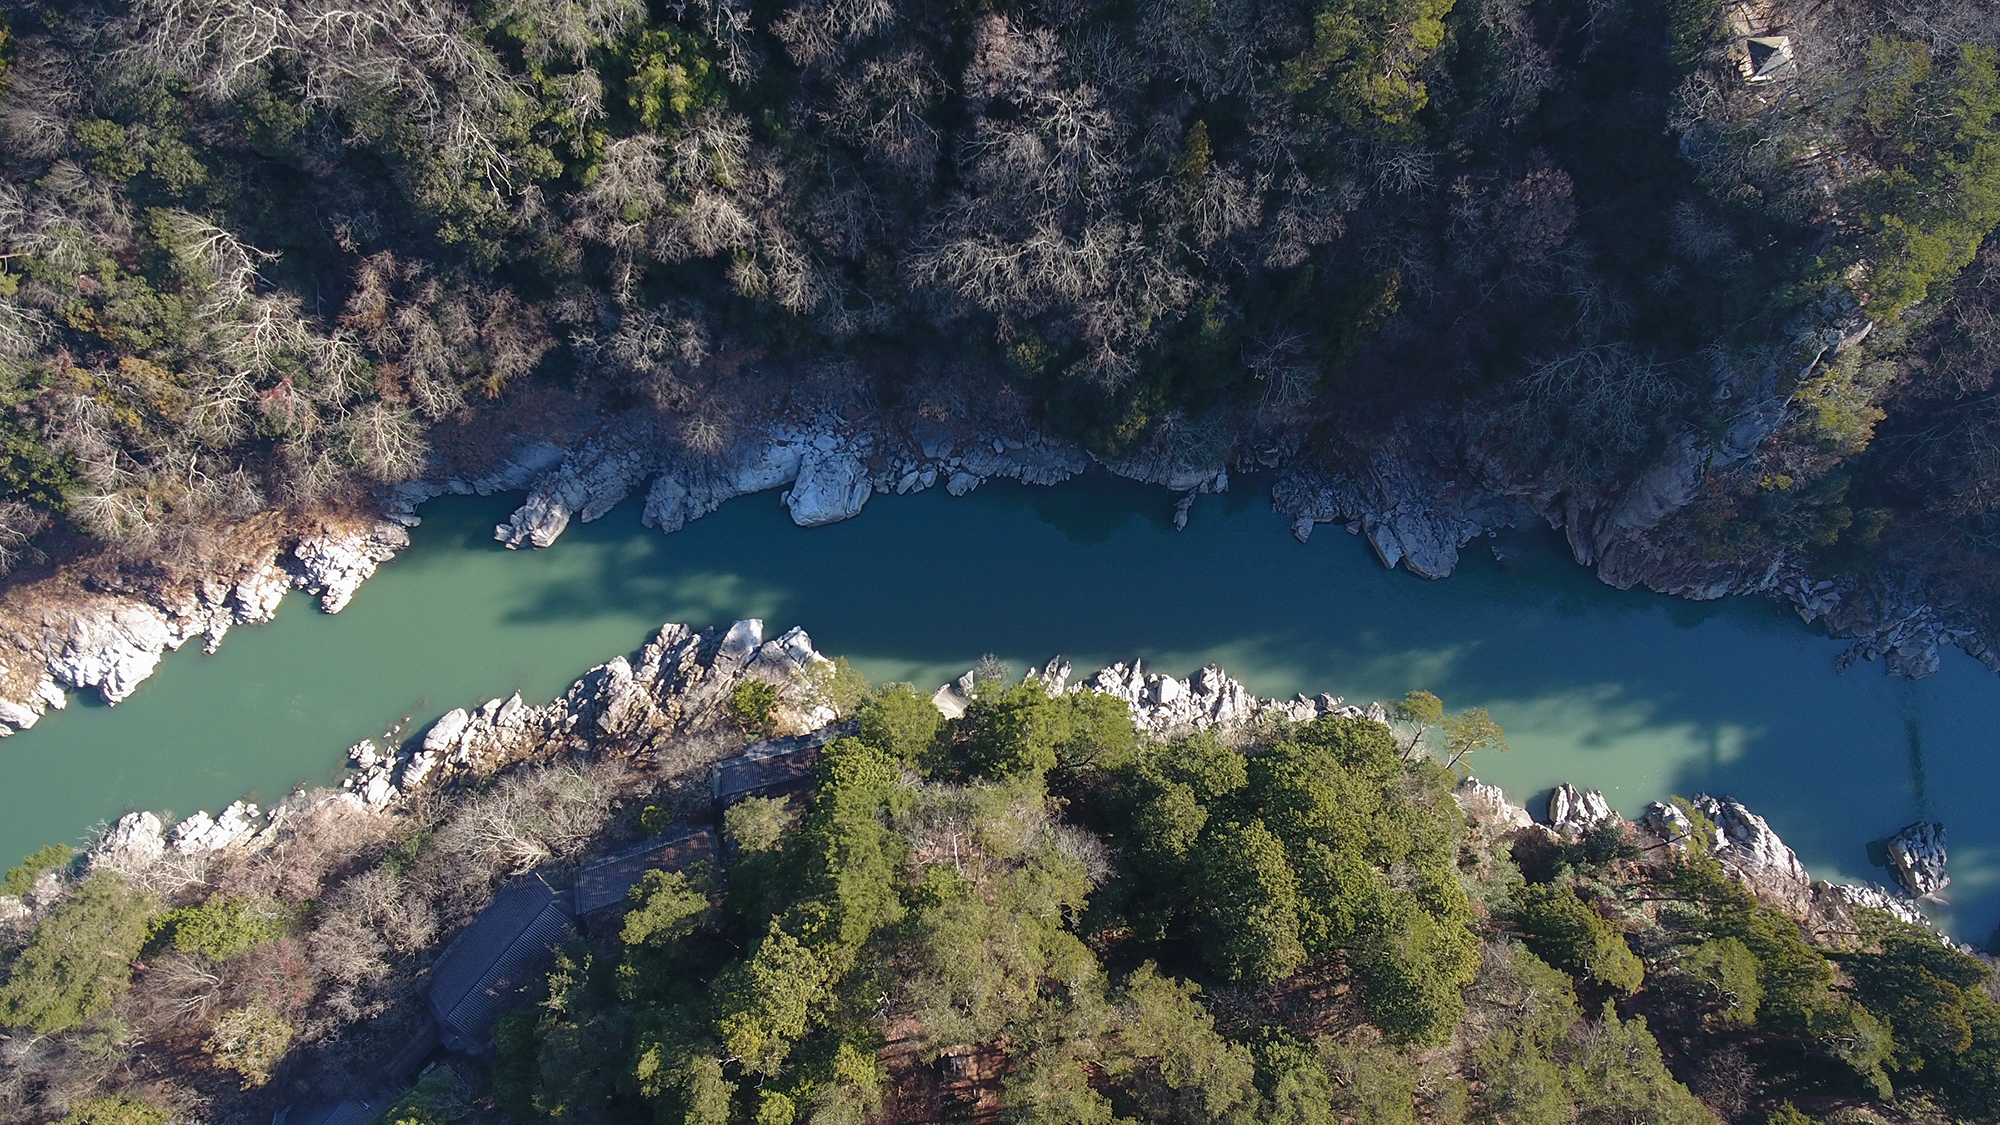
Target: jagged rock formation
{"type": "Point", "coordinates": [681, 679]}
{"type": "Point", "coordinates": [1208, 699]}
{"type": "Point", "coordinates": [1917, 856]}
{"type": "Point", "coordinates": [1487, 808]}
{"type": "Point", "coordinates": [1574, 812]}
{"type": "Point", "coordinates": [832, 467]}
{"type": "Point", "coordinates": [1745, 842]}
{"type": "Point", "coordinates": [1670, 824]}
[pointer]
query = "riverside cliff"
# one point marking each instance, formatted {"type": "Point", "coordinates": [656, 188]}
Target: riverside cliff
{"type": "Point", "coordinates": [1414, 506]}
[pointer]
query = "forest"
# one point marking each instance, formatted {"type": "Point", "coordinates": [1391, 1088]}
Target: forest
{"type": "Point", "coordinates": [1033, 914]}
{"type": "Point", "coordinates": [258, 257]}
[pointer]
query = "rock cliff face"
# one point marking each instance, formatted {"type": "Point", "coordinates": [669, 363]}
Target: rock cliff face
{"type": "Point", "coordinates": [1745, 842]}
{"type": "Point", "coordinates": [829, 467]}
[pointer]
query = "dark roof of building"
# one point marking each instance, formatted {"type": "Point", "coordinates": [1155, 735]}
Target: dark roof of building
{"type": "Point", "coordinates": [773, 764]}
{"type": "Point", "coordinates": [490, 966]}
{"type": "Point", "coordinates": [604, 881]}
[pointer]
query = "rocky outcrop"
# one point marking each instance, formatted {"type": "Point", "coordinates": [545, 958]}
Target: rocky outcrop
{"type": "Point", "coordinates": [1487, 808]}
{"type": "Point", "coordinates": [1573, 812]}
{"type": "Point", "coordinates": [1745, 842]}
{"type": "Point", "coordinates": [1917, 856]}
{"type": "Point", "coordinates": [334, 563]}
{"type": "Point", "coordinates": [111, 642]}
{"type": "Point", "coordinates": [828, 467]}
{"type": "Point", "coordinates": [587, 484]}
{"type": "Point", "coordinates": [1670, 824]}
{"type": "Point", "coordinates": [1209, 699]}
{"type": "Point", "coordinates": [680, 680]}
{"type": "Point", "coordinates": [201, 833]}
{"type": "Point", "coordinates": [1832, 915]}
{"type": "Point", "coordinates": [1412, 508]}
{"type": "Point", "coordinates": [132, 845]}
{"type": "Point", "coordinates": [831, 486]}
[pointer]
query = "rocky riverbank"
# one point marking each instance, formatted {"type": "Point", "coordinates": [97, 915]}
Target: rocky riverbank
{"type": "Point", "coordinates": [1417, 499]}
{"type": "Point", "coordinates": [657, 714]}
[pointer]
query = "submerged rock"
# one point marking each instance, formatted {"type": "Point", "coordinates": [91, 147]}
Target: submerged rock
{"type": "Point", "coordinates": [1917, 856]}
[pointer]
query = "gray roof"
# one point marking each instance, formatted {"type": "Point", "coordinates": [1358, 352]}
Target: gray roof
{"type": "Point", "coordinates": [604, 881]}
{"type": "Point", "coordinates": [775, 765]}
{"type": "Point", "coordinates": [495, 961]}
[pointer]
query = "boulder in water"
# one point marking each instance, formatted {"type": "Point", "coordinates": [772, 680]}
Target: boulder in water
{"type": "Point", "coordinates": [1917, 856]}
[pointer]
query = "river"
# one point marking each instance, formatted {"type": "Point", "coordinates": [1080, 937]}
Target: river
{"type": "Point", "coordinates": [1635, 694]}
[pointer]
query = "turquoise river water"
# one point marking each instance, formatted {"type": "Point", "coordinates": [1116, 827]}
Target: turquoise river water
{"type": "Point", "coordinates": [1635, 694]}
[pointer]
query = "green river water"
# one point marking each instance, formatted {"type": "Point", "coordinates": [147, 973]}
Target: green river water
{"type": "Point", "coordinates": [1635, 694]}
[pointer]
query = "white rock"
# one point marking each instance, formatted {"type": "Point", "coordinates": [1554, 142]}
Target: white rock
{"type": "Point", "coordinates": [1488, 808]}
{"type": "Point", "coordinates": [588, 484]}
{"type": "Point", "coordinates": [1917, 856]}
{"type": "Point", "coordinates": [201, 833]}
{"type": "Point", "coordinates": [112, 646]}
{"type": "Point", "coordinates": [335, 562]}
{"type": "Point", "coordinates": [1746, 842]}
{"type": "Point", "coordinates": [740, 641]}
{"type": "Point", "coordinates": [131, 846]}
{"type": "Point", "coordinates": [831, 486]}
{"type": "Point", "coordinates": [1574, 812]}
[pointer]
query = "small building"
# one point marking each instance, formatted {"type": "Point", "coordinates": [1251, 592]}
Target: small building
{"type": "Point", "coordinates": [774, 767]}
{"type": "Point", "coordinates": [1767, 58]}
{"type": "Point", "coordinates": [602, 883]}
{"type": "Point", "coordinates": [496, 962]}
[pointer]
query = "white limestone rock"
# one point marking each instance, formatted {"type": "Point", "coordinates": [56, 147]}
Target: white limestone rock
{"type": "Point", "coordinates": [1747, 843]}
{"type": "Point", "coordinates": [1163, 704]}
{"type": "Point", "coordinates": [589, 483]}
{"type": "Point", "coordinates": [46, 696]}
{"type": "Point", "coordinates": [689, 492]}
{"type": "Point", "coordinates": [111, 646]}
{"type": "Point", "coordinates": [201, 834]}
{"type": "Point", "coordinates": [1917, 856]}
{"type": "Point", "coordinates": [1572, 812]}
{"type": "Point", "coordinates": [831, 486]}
{"type": "Point", "coordinates": [1487, 808]}
{"type": "Point", "coordinates": [335, 562]}
{"type": "Point", "coordinates": [130, 847]}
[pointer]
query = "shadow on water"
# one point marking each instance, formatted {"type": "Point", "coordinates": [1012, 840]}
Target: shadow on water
{"type": "Point", "coordinates": [1625, 691]}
